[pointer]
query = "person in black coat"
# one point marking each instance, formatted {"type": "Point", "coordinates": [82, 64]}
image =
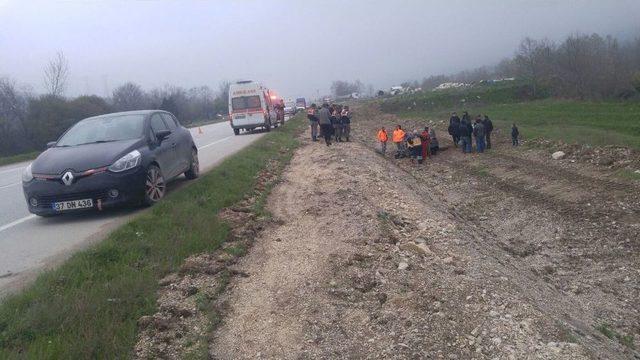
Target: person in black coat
{"type": "Point", "coordinates": [488, 128]}
{"type": "Point", "coordinates": [514, 135]}
{"type": "Point", "coordinates": [454, 128]}
{"type": "Point", "coordinates": [465, 135]}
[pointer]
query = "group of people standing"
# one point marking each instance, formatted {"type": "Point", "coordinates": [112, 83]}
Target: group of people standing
{"type": "Point", "coordinates": [418, 145]}
{"type": "Point", "coordinates": [332, 121]}
{"type": "Point", "coordinates": [462, 131]}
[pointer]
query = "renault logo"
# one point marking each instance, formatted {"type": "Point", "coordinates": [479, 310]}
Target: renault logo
{"type": "Point", "coordinates": [67, 178]}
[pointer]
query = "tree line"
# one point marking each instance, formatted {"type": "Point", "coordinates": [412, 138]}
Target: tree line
{"type": "Point", "coordinates": [28, 121]}
{"type": "Point", "coordinates": [580, 67]}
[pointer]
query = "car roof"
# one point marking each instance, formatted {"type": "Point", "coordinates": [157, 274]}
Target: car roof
{"type": "Point", "coordinates": [134, 112]}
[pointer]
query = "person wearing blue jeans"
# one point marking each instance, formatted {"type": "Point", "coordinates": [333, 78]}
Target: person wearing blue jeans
{"type": "Point", "coordinates": [465, 131]}
{"type": "Point", "coordinates": [479, 133]}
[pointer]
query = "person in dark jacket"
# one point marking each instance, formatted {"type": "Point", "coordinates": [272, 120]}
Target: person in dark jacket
{"type": "Point", "coordinates": [324, 119]}
{"type": "Point", "coordinates": [454, 128]}
{"type": "Point", "coordinates": [514, 135]}
{"type": "Point", "coordinates": [345, 120]}
{"type": "Point", "coordinates": [488, 128]}
{"type": "Point", "coordinates": [465, 116]}
{"type": "Point", "coordinates": [465, 135]}
{"type": "Point", "coordinates": [335, 121]}
{"type": "Point", "coordinates": [426, 142]}
{"type": "Point", "coordinates": [434, 145]}
{"type": "Point", "coordinates": [479, 133]}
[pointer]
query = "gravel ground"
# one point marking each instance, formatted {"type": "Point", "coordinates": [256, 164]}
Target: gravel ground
{"type": "Point", "coordinates": [507, 255]}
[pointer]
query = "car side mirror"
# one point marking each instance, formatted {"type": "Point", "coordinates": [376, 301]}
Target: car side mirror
{"type": "Point", "coordinates": [51, 144]}
{"type": "Point", "coordinates": [162, 134]}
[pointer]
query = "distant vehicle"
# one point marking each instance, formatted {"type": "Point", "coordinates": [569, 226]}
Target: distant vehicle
{"type": "Point", "coordinates": [110, 160]}
{"type": "Point", "coordinates": [301, 103]}
{"type": "Point", "coordinates": [396, 90]}
{"type": "Point", "coordinates": [250, 106]}
{"type": "Point", "coordinates": [290, 108]}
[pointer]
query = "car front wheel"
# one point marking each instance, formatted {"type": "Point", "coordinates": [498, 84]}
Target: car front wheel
{"type": "Point", "coordinates": [194, 168]}
{"type": "Point", "coordinates": [154, 186]}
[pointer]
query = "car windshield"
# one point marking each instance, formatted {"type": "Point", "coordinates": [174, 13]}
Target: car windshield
{"type": "Point", "coordinates": [104, 129]}
{"type": "Point", "coordinates": [246, 102]}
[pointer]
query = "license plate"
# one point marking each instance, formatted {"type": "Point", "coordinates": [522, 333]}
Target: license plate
{"type": "Point", "coordinates": [73, 204]}
{"type": "Point", "coordinates": [239, 116]}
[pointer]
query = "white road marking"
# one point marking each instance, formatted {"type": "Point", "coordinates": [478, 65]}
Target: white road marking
{"type": "Point", "coordinates": [215, 142]}
{"type": "Point", "coordinates": [10, 170]}
{"type": "Point", "coordinates": [8, 186]}
{"type": "Point", "coordinates": [17, 222]}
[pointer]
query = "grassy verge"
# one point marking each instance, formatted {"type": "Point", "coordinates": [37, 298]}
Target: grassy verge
{"type": "Point", "coordinates": [88, 307]}
{"type": "Point", "coordinates": [582, 122]}
{"type": "Point", "coordinates": [571, 121]}
{"type": "Point", "coordinates": [6, 160]}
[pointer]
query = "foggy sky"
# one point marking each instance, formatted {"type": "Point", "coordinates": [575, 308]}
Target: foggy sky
{"type": "Point", "coordinates": [297, 47]}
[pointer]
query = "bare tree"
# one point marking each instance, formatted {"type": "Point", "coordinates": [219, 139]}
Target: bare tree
{"type": "Point", "coordinates": [129, 96]}
{"type": "Point", "coordinates": [343, 88]}
{"type": "Point", "coordinates": [533, 61]}
{"type": "Point", "coordinates": [56, 74]}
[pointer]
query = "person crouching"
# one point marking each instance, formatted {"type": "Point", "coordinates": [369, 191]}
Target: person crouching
{"type": "Point", "coordinates": [415, 146]}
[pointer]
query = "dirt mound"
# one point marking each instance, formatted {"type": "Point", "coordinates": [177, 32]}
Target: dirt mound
{"type": "Point", "coordinates": [506, 255]}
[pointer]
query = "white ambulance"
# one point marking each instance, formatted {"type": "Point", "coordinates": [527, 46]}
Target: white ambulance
{"type": "Point", "coordinates": [250, 106]}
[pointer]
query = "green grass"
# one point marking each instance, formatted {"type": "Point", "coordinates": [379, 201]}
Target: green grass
{"type": "Point", "coordinates": [593, 123]}
{"type": "Point", "coordinates": [582, 122]}
{"type": "Point", "coordinates": [626, 340]}
{"type": "Point", "coordinates": [88, 307]}
{"type": "Point", "coordinates": [628, 174]}
{"type": "Point", "coordinates": [6, 160]}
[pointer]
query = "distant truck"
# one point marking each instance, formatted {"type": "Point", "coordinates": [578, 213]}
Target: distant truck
{"type": "Point", "coordinates": [250, 106]}
{"type": "Point", "coordinates": [301, 104]}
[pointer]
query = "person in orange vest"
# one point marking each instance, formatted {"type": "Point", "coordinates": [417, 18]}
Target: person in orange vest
{"type": "Point", "coordinates": [313, 122]}
{"type": "Point", "coordinates": [383, 137]}
{"type": "Point", "coordinates": [398, 139]}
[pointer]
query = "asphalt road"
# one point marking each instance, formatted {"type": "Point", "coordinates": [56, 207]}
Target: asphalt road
{"type": "Point", "coordinates": [29, 243]}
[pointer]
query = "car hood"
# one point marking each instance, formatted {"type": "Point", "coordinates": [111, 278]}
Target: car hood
{"type": "Point", "coordinates": [79, 158]}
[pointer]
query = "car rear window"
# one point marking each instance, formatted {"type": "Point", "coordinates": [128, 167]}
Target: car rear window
{"type": "Point", "coordinates": [103, 129]}
{"type": "Point", "coordinates": [246, 102]}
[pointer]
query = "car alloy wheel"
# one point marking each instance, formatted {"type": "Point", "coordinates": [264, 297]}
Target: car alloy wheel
{"type": "Point", "coordinates": [155, 186]}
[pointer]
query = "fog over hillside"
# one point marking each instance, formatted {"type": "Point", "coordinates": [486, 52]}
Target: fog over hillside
{"type": "Point", "coordinates": [298, 47]}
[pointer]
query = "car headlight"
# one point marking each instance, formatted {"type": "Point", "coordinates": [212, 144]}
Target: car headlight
{"type": "Point", "coordinates": [126, 162]}
{"type": "Point", "coordinates": [26, 174]}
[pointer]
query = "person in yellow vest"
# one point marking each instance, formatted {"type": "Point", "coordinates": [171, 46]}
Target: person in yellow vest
{"type": "Point", "coordinates": [313, 121]}
{"type": "Point", "coordinates": [383, 137]}
{"type": "Point", "coordinates": [398, 139]}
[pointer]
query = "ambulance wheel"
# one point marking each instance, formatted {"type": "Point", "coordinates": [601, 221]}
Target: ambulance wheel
{"type": "Point", "coordinates": [267, 127]}
{"type": "Point", "coordinates": [236, 131]}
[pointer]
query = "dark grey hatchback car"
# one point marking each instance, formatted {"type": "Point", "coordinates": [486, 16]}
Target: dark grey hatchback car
{"type": "Point", "coordinates": [110, 160]}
